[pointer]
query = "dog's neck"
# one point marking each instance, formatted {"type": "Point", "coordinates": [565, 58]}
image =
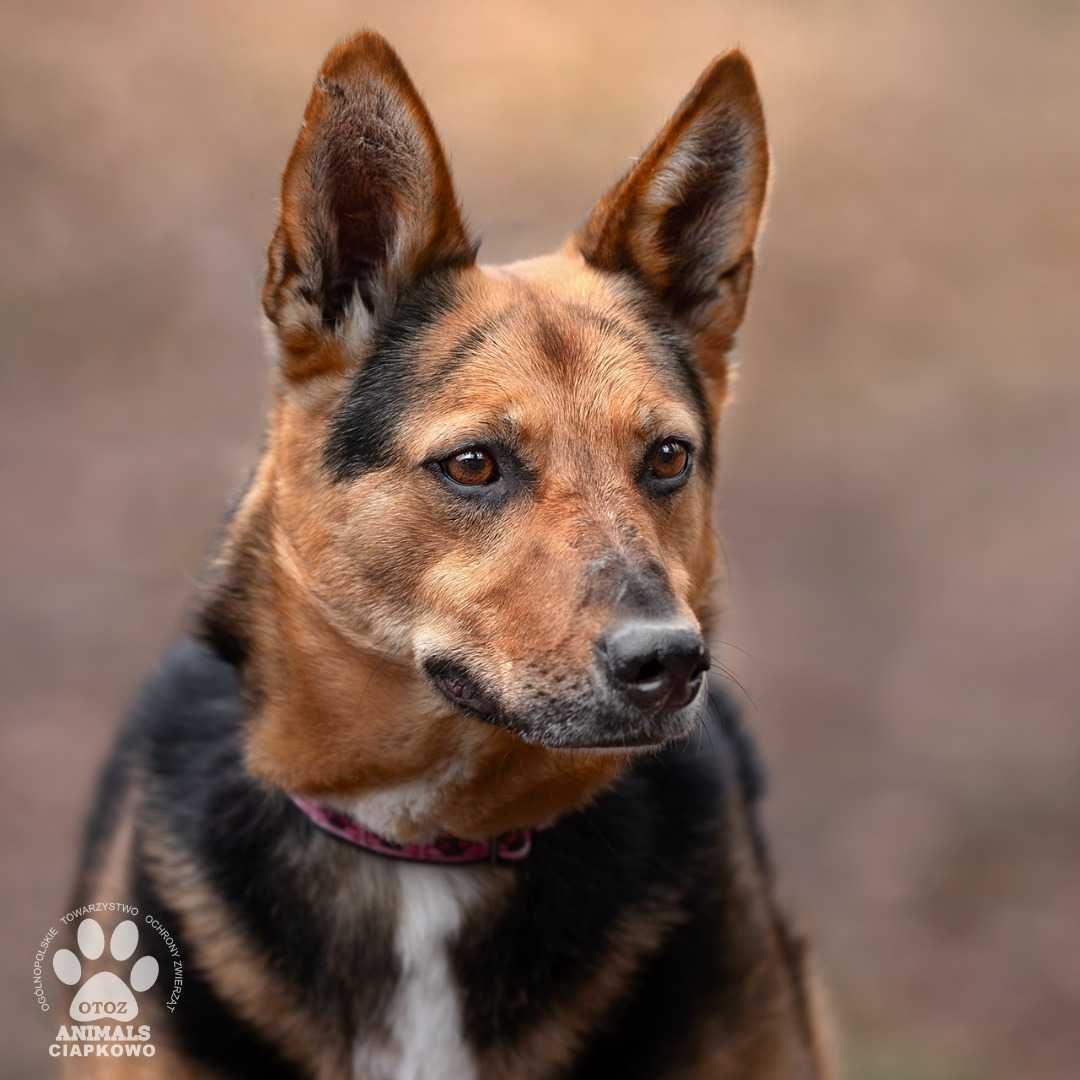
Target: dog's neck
{"type": "Point", "coordinates": [337, 718]}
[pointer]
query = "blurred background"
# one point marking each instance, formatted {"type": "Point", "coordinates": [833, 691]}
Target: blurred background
{"type": "Point", "coordinates": [900, 502]}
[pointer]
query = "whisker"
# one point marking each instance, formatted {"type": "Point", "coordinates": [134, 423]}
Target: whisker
{"type": "Point", "coordinates": [730, 676]}
{"type": "Point", "coordinates": [732, 645]}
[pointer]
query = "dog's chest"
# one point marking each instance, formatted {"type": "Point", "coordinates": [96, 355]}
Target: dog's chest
{"type": "Point", "coordinates": [422, 1036]}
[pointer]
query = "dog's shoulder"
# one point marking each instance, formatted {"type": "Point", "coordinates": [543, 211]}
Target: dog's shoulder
{"type": "Point", "coordinates": [189, 694]}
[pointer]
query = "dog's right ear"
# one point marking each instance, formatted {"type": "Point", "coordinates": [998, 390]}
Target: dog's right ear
{"type": "Point", "coordinates": [367, 206]}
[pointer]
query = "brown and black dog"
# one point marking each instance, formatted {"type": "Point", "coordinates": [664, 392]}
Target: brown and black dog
{"type": "Point", "coordinates": [466, 597]}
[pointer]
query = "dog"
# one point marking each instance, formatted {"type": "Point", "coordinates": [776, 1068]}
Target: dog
{"type": "Point", "coordinates": [437, 785]}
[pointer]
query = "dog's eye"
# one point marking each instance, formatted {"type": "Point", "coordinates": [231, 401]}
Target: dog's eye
{"type": "Point", "coordinates": [668, 461]}
{"type": "Point", "coordinates": [471, 468]}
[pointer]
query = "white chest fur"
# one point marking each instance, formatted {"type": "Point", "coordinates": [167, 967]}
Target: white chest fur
{"type": "Point", "coordinates": [424, 1020]}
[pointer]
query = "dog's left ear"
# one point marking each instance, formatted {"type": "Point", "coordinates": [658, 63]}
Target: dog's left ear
{"type": "Point", "coordinates": [684, 219]}
{"type": "Point", "coordinates": [367, 207]}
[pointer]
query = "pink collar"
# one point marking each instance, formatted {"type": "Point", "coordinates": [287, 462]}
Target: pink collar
{"type": "Point", "coordinates": [508, 847]}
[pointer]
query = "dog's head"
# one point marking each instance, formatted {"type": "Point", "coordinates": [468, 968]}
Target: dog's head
{"type": "Point", "coordinates": [499, 478]}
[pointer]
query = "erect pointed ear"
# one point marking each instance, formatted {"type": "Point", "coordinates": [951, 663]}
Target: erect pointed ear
{"type": "Point", "coordinates": [684, 218]}
{"type": "Point", "coordinates": [367, 206]}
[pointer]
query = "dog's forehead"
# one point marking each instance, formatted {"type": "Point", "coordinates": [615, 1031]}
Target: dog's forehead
{"type": "Point", "coordinates": [524, 333]}
{"type": "Point", "coordinates": [567, 342]}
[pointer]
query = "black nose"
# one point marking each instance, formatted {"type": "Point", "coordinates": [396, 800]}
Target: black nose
{"type": "Point", "coordinates": [657, 665]}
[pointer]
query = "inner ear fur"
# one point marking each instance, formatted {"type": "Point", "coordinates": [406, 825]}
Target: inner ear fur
{"type": "Point", "coordinates": [367, 206]}
{"type": "Point", "coordinates": [684, 219]}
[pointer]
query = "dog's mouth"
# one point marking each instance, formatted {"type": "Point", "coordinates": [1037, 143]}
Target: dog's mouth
{"type": "Point", "coordinates": [461, 689]}
{"type": "Point", "coordinates": [582, 724]}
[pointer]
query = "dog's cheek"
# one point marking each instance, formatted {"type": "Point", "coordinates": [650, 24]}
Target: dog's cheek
{"type": "Point", "coordinates": [383, 537]}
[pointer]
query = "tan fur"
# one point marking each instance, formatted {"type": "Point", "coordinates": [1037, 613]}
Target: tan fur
{"type": "Point", "coordinates": [110, 871]}
{"type": "Point", "coordinates": [236, 967]}
{"type": "Point", "coordinates": [109, 880]}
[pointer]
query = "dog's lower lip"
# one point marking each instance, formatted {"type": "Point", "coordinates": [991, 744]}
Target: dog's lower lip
{"type": "Point", "coordinates": [458, 690]}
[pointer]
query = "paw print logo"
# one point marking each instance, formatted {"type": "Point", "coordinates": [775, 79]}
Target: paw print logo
{"type": "Point", "coordinates": [105, 995]}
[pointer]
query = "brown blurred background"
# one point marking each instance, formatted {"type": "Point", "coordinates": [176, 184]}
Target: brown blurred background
{"type": "Point", "coordinates": [901, 506]}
